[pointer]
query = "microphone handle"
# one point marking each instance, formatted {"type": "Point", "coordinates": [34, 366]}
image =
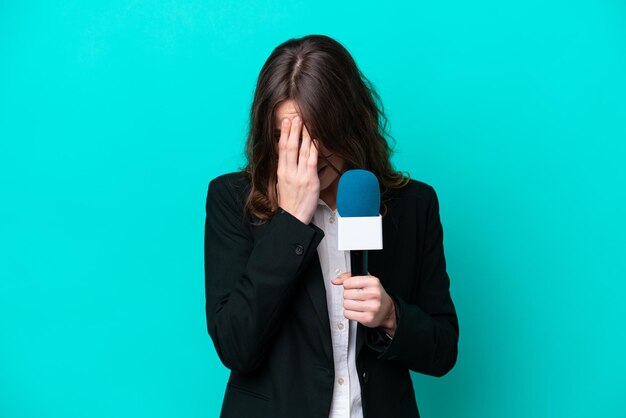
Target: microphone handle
{"type": "Point", "coordinates": [358, 262]}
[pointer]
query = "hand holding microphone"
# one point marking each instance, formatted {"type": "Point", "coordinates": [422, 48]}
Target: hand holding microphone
{"type": "Point", "coordinates": [360, 230]}
{"type": "Point", "coordinates": [366, 301]}
{"type": "Point", "coordinates": [298, 183]}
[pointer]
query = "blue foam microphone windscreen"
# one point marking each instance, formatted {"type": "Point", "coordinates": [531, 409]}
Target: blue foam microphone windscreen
{"type": "Point", "coordinates": [358, 194]}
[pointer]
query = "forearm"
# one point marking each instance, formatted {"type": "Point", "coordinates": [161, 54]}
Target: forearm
{"type": "Point", "coordinates": [249, 280]}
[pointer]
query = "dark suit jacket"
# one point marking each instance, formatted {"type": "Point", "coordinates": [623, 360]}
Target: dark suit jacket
{"type": "Point", "coordinates": [267, 316]}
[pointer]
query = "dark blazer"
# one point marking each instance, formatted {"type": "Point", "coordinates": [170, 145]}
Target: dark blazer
{"type": "Point", "coordinates": [267, 316]}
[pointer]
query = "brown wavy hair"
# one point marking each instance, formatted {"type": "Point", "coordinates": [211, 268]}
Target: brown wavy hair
{"type": "Point", "coordinates": [338, 105]}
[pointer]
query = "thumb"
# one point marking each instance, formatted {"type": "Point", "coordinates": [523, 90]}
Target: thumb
{"type": "Point", "coordinates": [340, 279]}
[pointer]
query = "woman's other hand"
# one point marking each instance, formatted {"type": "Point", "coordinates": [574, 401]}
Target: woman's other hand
{"type": "Point", "coordinates": [298, 183]}
{"type": "Point", "coordinates": [365, 300]}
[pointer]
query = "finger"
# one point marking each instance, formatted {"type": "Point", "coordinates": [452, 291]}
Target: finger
{"type": "Point", "coordinates": [359, 305]}
{"type": "Point", "coordinates": [356, 282]}
{"type": "Point", "coordinates": [293, 145]}
{"type": "Point", "coordinates": [339, 279]}
{"type": "Point", "coordinates": [304, 149]}
{"type": "Point", "coordinates": [356, 294]}
{"type": "Point", "coordinates": [312, 161]}
{"type": "Point", "coordinates": [361, 317]}
{"type": "Point", "coordinates": [282, 143]}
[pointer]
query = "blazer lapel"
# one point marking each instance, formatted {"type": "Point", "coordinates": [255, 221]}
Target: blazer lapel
{"type": "Point", "coordinates": [314, 284]}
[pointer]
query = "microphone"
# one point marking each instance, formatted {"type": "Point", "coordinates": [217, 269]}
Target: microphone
{"type": "Point", "coordinates": [360, 226]}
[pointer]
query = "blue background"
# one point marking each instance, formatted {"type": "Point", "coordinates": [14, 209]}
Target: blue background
{"type": "Point", "coordinates": [114, 116]}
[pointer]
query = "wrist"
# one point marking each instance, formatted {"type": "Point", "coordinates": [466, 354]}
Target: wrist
{"type": "Point", "coordinates": [304, 218]}
{"type": "Point", "coordinates": [388, 326]}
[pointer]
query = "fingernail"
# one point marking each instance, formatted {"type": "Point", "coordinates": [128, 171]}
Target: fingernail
{"type": "Point", "coordinates": [285, 122]}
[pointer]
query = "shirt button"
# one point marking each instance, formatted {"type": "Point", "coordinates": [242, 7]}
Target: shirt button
{"type": "Point", "coordinates": [340, 380]}
{"type": "Point", "coordinates": [299, 249]}
{"type": "Point", "coordinates": [338, 271]}
{"type": "Point", "coordinates": [365, 377]}
{"type": "Point", "coordinates": [340, 325]}
{"type": "Point", "coordinates": [331, 219]}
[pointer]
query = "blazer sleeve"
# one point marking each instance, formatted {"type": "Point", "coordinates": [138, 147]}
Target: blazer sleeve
{"type": "Point", "coordinates": [427, 332]}
{"type": "Point", "coordinates": [248, 282]}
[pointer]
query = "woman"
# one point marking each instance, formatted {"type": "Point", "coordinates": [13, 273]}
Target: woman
{"type": "Point", "coordinates": [301, 336]}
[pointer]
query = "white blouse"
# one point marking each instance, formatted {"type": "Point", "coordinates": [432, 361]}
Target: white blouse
{"type": "Point", "coordinates": [346, 401]}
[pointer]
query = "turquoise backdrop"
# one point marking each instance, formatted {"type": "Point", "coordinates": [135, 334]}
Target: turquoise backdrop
{"type": "Point", "coordinates": [114, 116]}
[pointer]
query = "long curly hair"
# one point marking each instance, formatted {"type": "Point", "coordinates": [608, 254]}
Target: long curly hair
{"type": "Point", "coordinates": [338, 105]}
